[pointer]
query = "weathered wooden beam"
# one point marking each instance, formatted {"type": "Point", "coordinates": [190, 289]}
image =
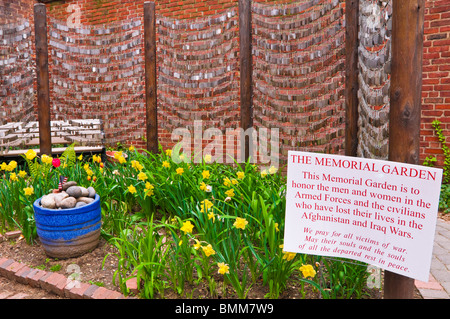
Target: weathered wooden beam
{"type": "Point", "coordinates": [245, 57]}
{"type": "Point", "coordinates": [351, 76]}
{"type": "Point", "coordinates": [42, 75]}
{"type": "Point", "coordinates": [405, 106]}
{"type": "Point", "coordinates": [150, 77]}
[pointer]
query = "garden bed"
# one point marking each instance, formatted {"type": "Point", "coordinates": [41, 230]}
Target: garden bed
{"type": "Point", "coordinates": [185, 230]}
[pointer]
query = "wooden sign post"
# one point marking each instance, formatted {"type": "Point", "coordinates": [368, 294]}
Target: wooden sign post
{"type": "Point", "coordinates": [43, 89]}
{"type": "Point", "coordinates": [245, 57]}
{"type": "Point", "coordinates": [405, 106]}
{"type": "Point", "coordinates": [150, 77]}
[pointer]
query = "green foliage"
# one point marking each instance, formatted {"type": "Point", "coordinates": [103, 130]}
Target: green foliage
{"type": "Point", "coordinates": [446, 167]}
{"type": "Point", "coordinates": [177, 224]}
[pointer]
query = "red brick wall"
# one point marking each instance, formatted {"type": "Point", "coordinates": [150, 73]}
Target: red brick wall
{"type": "Point", "coordinates": [436, 65]}
{"type": "Point", "coordinates": [436, 77]}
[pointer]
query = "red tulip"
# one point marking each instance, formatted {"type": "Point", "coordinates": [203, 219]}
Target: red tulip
{"type": "Point", "coordinates": [56, 162]}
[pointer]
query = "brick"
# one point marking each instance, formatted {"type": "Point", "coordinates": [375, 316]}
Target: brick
{"type": "Point", "coordinates": [55, 283]}
{"type": "Point", "coordinates": [13, 234]}
{"type": "Point", "coordinates": [115, 295]}
{"type": "Point", "coordinates": [21, 275]}
{"type": "Point", "coordinates": [90, 291]}
{"type": "Point", "coordinates": [12, 269]}
{"type": "Point", "coordinates": [20, 295]}
{"type": "Point", "coordinates": [132, 285]}
{"type": "Point", "coordinates": [41, 281]}
{"type": "Point", "coordinates": [34, 276]}
{"type": "Point", "coordinates": [101, 293]}
{"type": "Point", "coordinates": [77, 291]}
{"type": "Point", "coordinates": [5, 264]}
{"type": "Point", "coordinates": [5, 294]}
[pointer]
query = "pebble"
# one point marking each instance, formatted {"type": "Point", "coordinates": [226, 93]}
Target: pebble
{"type": "Point", "coordinates": [74, 191]}
{"type": "Point", "coordinates": [73, 196]}
{"type": "Point", "coordinates": [68, 202]}
{"type": "Point", "coordinates": [48, 201]}
{"type": "Point", "coordinates": [84, 192]}
{"type": "Point", "coordinates": [91, 191]}
{"type": "Point", "coordinates": [66, 185]}
{"type": "Point", "coordinates": [86, 200]}
{"type": "Point", "coordinates": [59, 197]}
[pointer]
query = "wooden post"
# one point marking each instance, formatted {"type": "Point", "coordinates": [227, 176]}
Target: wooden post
{"type": "Point", "coordinates": [245, 57]}
{"type": "Point", "coordinates": [150, 77]}
{"type": "Point", "coordinates": [43, 89]}
{"type": "Point", "coordinates": [405, 106]}
{"type": "Point", "coordinates": [351, 76]}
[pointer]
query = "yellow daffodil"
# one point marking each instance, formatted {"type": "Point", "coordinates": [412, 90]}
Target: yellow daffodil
{"type": "Point", "coordinates": [187, 227]}
{"type": "Point", "coordinates": [169, 152]}
{"type": "Point", "coordinates": [13, 177]}
{"type": "Point", "coordinates": [272, 170]}
{"type": "Point", "coordinates": [308, 271]}
{"type": "Point", "coordinates": [289, 256]}
{"type": "Point", "coordinates": [197, 245]}
{"type": "Point", "coordinates": [264, 173]}
{"type": "Point", "coordinates": [96, 159]}
{"type": "Point", "coordinates": [89, 172]}
{"type": "Point", "coordinates": [122, 160]}
{"type": "Point", "coordinates": [118, 154]}
{"type": "Point", "coordinates": [208, 158]}
{"type": "Point", "coordinates": [208, 250]}
{"type": "Point", "coordinates": [205, 205]}
{"type": "Point", "coordinates": [11, 166]}
{"type": "Point", "coordinates": [22, 174]}
{"type": "Point", "coordinates": [149, 186]}
{"type": "Point", "coordinates": [180, 171]}
{"type": "Point", "coordinates": [30, 155]}
{"type": "Point", "coordinates": [230, 193]}
{"type": "Point", "coordinates": [211, 216]}
{"type": "Point", "coordinates": [240, 223]}
{"type": "Point", "coordinates": [132, 189]}
{"type": "Point", "coordinates": [46, 159]}
{"type": "Point", "coordinates": [205, 174]}
{"type": "Point", "coordinates": [203, 186]}
{"type": "Point", "coordinates": [180, 243]}
{"type": "Point", "coordinates": [80, 158]}
{"type": "Point", "coordinates": [136, 165]}
{"type": "Point", "coordinates": [276, 227]}
{"type": "Point", "coordinates": [165, 164]}
{"type": "Point", "coordinates": [240, 175]}
{"type": "Point", "coordinates": [142, 176]}
{"type": "Point", "coordinates": [223, 268]}
{"type": "Point", "coordinates": [131, 148]}
{"type": "Point", "coordinates": [3, 166]}
{"type": "Point", "coordinates": [28, 191]}
{"type": "Point", "coordinates": [234, 181]}
{"type": "Point", "coordinates": [226, 182]}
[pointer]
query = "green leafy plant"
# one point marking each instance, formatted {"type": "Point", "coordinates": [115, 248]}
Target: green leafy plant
{"type": "Point", "coordinates": [445, 149]}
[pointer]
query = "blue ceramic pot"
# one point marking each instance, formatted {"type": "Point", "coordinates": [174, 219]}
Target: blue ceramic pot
{"type": "Point", "coordinates": [66, 233]}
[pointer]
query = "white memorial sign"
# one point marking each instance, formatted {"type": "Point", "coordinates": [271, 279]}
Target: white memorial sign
{"type": "Point", "coordinates": [379, 212]}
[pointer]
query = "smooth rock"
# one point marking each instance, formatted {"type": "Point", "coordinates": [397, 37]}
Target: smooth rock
{"type": "Point", "coordinates": [66, 185]}
{"type": "Point", "coordinates": [86, 200]}
{"type": "Point", "coordinates": [80, 204]}
{"type": "Point", "coordinates": [59, 197]}
{"type": "Point", "coordinates": [68, 202]}
{"type": "Point", "coordinates": [48, 201]}
{"type": "Point", "coordinates": [84, 192]}
{"type": "Point", "coordinates": [74, 191]}
{"type": "Point", "coordinates": [91, 191]}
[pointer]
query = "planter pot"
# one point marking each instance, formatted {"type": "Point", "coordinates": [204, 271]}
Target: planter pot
{"type": "Point", "coordinates": [110, 156]}
{"type": "Point", "coordinates": [66, 233]}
